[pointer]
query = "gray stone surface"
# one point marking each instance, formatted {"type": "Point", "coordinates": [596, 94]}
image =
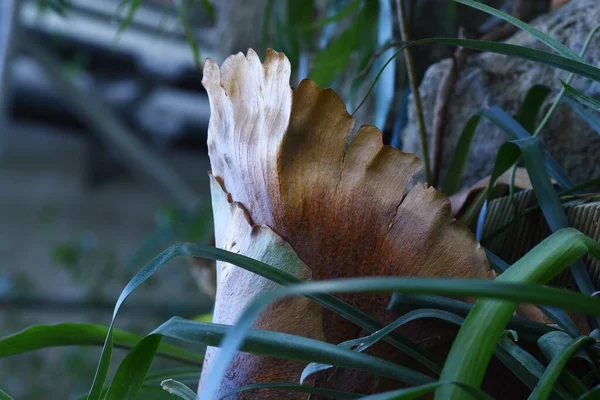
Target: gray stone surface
{"type": "Point", "coordinates": [490, 79]}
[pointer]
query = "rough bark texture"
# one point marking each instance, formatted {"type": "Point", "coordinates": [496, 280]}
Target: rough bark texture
{"type": "Point", "coordinates": [489, 79]}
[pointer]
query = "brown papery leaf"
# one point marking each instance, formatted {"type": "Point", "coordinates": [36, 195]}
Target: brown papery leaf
{"type": "Point", "coordinates": [340, 200]}
{"type": "Point", "coordinates": [236, 288]}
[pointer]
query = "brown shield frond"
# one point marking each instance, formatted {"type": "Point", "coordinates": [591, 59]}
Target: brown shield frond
{"type": "Point", "coordinates": [342, 201]}
{"type": "Point", "coordinates": [236, 288]}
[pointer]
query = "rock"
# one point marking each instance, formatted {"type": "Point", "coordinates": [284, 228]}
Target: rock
{"type": "Point", "coordinates": [489, 79]}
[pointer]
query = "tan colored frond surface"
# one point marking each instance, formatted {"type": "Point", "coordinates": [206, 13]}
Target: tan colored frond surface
{"type": "Point", "coordinates": [341, 202]}
{"type": "Point", "coordinates": [236, 288]}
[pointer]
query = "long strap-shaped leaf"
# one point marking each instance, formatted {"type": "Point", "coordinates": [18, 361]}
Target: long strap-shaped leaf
{"type": "Point", "coordinates": [558, 316]}
{"type": "Point", "coordinates": [330, 302]}
{"type": "Point", "coordinates": [581, 97]}
{"type": "Point", "coordinates": [402, 303]}
{"type": "Point", "coordinates": [530, 149]}
{"type": "Point", "coordinates": [363, 343]}
{"type": "Point", "coordinates": [551, 257]}
{"type": "Point", "coordinates": [283, 345]}
{"type": "Point", "coordinates": [38, 337]}
{"type": "Point", "coordinates": [547, 381]}
{"type": "Point", "coordinates": [4, 395]}
{"type": "Point", "coordinates": [132, 371]}
{"type": "Point", "coordinates": [479, 334]}
{"type": "Point", "coordinates": [542, 37]}
{"type": "Point", "coordinates": [525, 366]}
{"type": "Point", "coordinates": [565, 63]}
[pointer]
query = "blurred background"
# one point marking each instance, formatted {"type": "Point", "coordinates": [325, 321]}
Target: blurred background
{"type": "Point", "coordinates": [103, 160]}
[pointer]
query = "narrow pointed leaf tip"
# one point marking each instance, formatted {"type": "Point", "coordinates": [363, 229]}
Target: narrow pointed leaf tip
{"type": "Point", "coordinates": [288, 170]}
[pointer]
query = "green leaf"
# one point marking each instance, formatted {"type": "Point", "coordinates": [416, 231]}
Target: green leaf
{"type": "Point", "coordinates": [342, 14]}
{"type": "Point", "coordinates": [363, 343]}
{"type": "Point", "coordinates": [38, 337]}
{"type": "Point", "coordinates": [178, 389]}
{"type": "Point", "coordinates": [282, 345]}
{"type": "Point", "coordinates": [459, 159]}
{"type": "Point", "coordinates": [560, 95]}
{"type": "Point", "coordinates": [330, 302]}
{"type": "Point", "coordinates": [515, 131]}
{"type": "Point", "coordinates": [581, 97]}
{"type": "Point", "coordinates": [553, 343]}
{"type": "Point", "coordinates": [543, 57]}
{"type": "Point", "coordinates": [402, 303]}
{"type": "Point", "coordinates": [328, 393]}
{"type": "Point", "coordinates": [4, 395]}
{"type": "Point", "coordinates": [133, 369]}
{"type": "Point", "coordinates": [333, 59]}
{"type": "Point", "coordinates": [553, 371]}
{"type": "Point", "coordinates": [558, 316]}
{"type": "Point", "coordinates": [419, 391]}
{"type": "Point", "coordinates": [183, 8]}
{"type": "Point", "coordinates": [525, 366]}
{"type": "Point", "coordinates": [548, 259]}
{"type": "Point", "coordinates": [483, 327]}
{"type": "Point", "coordinates": [299, 14]}
{"type": "Point", "coordinates": [133, 6]}
{"type": "Point", "coordinates": [209, 9]}
{"type": "Point", "coordinates": [530, 108]}
{"type": "Point", "coordinates": [531, 151]}
{"type": "Point", "coordinates": [542, 37]}
{"type": "Point", "coordinates": [592, 394]}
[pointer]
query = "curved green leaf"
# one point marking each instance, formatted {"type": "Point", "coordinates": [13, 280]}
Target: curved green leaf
{"type": "Point", "coordinates": [515, 131]}
{"type": "Point", "coordinates": [525, 366]}
{"type": "Point", "coordinates": [276, 275]}
{"type": "Point", "coordinates": [345, 12]}
{"type": "Point", "coordinates": [544, 262]}
{"type": "Point", "coordinates": [543, 57]}
{"type": "Point", "coordinates": [530, 108]}
{"type": "Point", "coordinates": [542, 37]}
{"type": "Point", "coordinates": [363, 343]}
{"type": "Point", "coordinates": [38, 337]}
{"type": "Point", "coordinates": [556, 315]}
{"type": "Point", "coordinates": [553, 371]}
{"type": "Point", "coordinates": [4, 395]}
{"type": "Point", "coordinates": [402, 303]}
{"type": "Point", "coordinates": [483, 327]}
{"type": "Point", "coordinates": [454, 175]}
{"type": "Point", "coordinates": [581, 97]}
{"type": "Point", "coordinates": [131, 374]}
{"type": "Point", "coordinates": [282, 345]}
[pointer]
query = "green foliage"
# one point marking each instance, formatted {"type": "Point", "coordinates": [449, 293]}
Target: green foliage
{"type": "Point", "coordinates": [458, 163]}
{"type": "Point", "coordinates": [39, 337]}
{"type": "Point", "coordinates": [581, 97]}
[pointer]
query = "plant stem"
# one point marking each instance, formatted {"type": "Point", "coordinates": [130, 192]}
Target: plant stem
{"type": "Point", "coordinates": [412, 77]}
